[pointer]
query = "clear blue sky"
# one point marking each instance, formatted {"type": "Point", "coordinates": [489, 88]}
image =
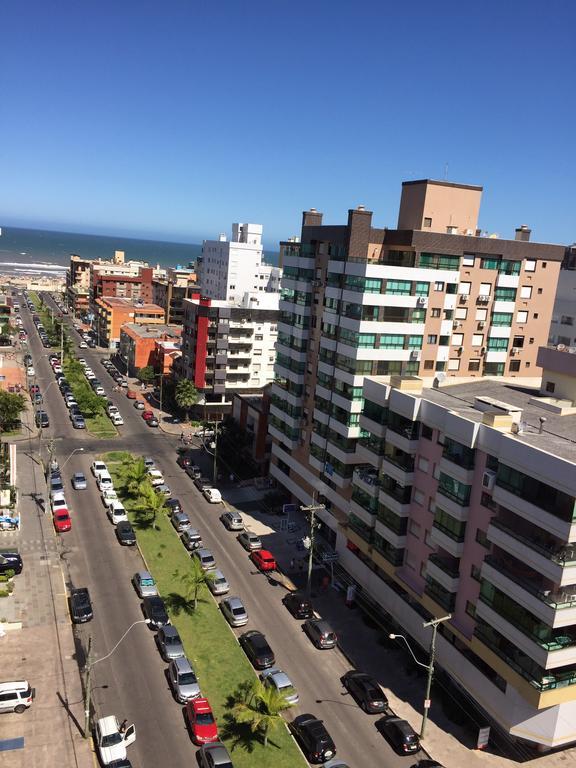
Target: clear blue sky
{"type": "Point", "coordinates": [173, 119]}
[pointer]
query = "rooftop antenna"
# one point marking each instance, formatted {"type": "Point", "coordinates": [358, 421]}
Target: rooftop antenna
{"type": "Point", "coordinates": [445, 171]}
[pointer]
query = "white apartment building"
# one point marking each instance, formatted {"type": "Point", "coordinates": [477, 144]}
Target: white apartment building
{"type": "Point", "coordinates": [230, 269]}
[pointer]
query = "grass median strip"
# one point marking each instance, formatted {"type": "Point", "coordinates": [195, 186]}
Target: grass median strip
{"type": "Point", "coordinates": [98, 424]}
{"type": "Point", "coordinates": [218, 660]}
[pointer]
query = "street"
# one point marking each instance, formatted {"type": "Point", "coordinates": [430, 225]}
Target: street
{"type": "Point", "coordinates": [131, 683]}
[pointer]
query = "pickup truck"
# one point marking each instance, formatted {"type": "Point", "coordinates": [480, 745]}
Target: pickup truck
{"type": "Point", "coordinates": [80, 605]}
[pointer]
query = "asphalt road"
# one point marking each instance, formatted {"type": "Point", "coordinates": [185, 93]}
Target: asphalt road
{"type": "Point", "coordinates": [131, 683]}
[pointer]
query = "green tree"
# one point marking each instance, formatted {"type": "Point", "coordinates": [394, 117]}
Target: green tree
{"type": "Point", "coordinates": [150, 504]}
{"type": "Point", "coordinates": [89, 402]}
{"type": "Point", "coordinates": [186, 395]}
{"type": "Point", "coordinates": [146, 375]}
{"type": "Point", "coordinates": [134, 474]}
{"type": "Point", "coordinates": [259, 706]}
{"type": "Point", "coordinates": [11, 407]}
{"type": "Point", "coordinates": [192, 581]}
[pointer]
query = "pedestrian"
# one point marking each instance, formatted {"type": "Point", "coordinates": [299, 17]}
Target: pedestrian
{"type": "Point", "coordinates": [181, 437]}
{"type": "Point", "coordinates": [123, 725]}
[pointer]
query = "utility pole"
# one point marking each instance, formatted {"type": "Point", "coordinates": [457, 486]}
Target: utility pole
{"type": "Point", "coordinates": [434, 624]}
{"type": "Point", "coordinates": [312, 509]}
{"type": "Point", "coordinates": [62, 343]}
{"type": "Point", "coordinates": [87, 689]}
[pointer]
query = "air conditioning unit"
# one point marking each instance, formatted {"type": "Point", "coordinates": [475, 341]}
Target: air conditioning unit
{"type": "Point", "coordinates": [415, 354]}
{"type": "Point", "coordinates": [513, 351]}
{"type": "Point", "coordinates": [456, 324]}
{"type": "Point", "coordinates": [463, 298]}
{"type": "Point", "coordinates": [488, 479]}
{"type": "Point", "coordinates": [481, 324]}
{"type": "Point", "coordinates": [422, 301]}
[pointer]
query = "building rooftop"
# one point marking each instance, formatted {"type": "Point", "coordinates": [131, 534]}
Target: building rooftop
{"type": "Point", "coordinates": [120, 302]}
{"type": "Point", "coordinates": [558, 435]}
{"type": "Point", "coordinates": [153, 331]}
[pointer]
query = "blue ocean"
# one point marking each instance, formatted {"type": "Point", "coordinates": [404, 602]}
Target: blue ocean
{"type": "Point", "coordinates": [37, 251]}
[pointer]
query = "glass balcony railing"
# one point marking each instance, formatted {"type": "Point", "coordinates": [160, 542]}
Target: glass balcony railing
{"type": "Point", "coordinates": [397, 524]}
{"type": "Point", "coordinates": [548, 548]}
{"type": "Point", "coordinates": [450, 567]}
{"type": "Point", "coordinates": [560, 599]}
{"type": "Point", "coordinates": [440, 595]}
{"type": "Point", "coordinates": [375, 445]}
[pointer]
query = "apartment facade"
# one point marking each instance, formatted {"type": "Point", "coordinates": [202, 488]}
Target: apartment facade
{"type": "Point", "coordinates": [563, 325]}
{"type": "Point", "coordinates": [228, 348]}
{"type": "Point", "coordinates": [113, 312]}
{"type": "Point", "coordinates": [228, 270]}
{"type": "Point", "coordinates": [170, 292]}
{"type": "Point", "coordinates": [141, 345]}
{"type": "Point", "coordinates": [131, 280]}
{"type": "Point", "coordinates": [78, 285]}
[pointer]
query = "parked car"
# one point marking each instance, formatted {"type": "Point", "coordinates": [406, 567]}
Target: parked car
{"type": "Point", "coordinates": [202, 483]}
{"type": "Point", "coordinates": [146, 414]}
{"type": "Point", "coordinates": [138, 404]}
{"type": "Point", "coordinates": [313, 738]}
{"type": "Point", "coordinates": [108, 495]}
{"type": "Point", "coordinates": [149, 462]}
{"type": "Point", "coordinates": [169, 643]}
{"type": "Point", "coordinates": [116, 512]}
{"type": "Point", "coordinates": [183, 680]}
{"type": "Point", "coordinates": [125, 533]}
{"type": "Point", "coordinates": [399, 733]}
{"type": "Point", "coordinates": [213, 495]}
{"type": "Point", "coordinates": [164, 489]}
{"type": "Point", "coordinates": [263, 560]}
{"type": "Point", "coordinates": [62, 521]}
{"type": "Point", "coordinates": [299, 606]}
{"type": "Point", "coordinates": [156, 477]}
{"type": "Point", "coordinates": [279, 681]}
{"type": "Point", "coordinates": [257, 649]}
{"type": "Point", "coordinates": [233, 521]}
{"type": "Point", "coordinates": [214, 755]}
{"type": "Point", "coordinates": [174, 505]}
{"type": "Point", "coordinates": [180, 521]}
{"type": "Point", "coordinates": [153, 422]}
{"type": "Point", "coordinates": [131, 394]}
{"type": "Point", "coordinates": [201, 722]}
{"type": "Point", "coordinates": [98, 467]}
{"type": "Point", "coordinates": [366, 691]}
{"type": "Point", "coordinates": [41, 419]}
{"type": "Point", "coordinates": [58, 501]}
{"type": "Point", "coordinates": [234, 611]}
{"type": "Point", "coordinates": [144, 584]}
{"type": "Point", "coordinates": [321, 633]}
{"type": "Point", "coordinates": [155, 610]}
{"type": "Point", "coordinates": [110, 741]}
{"type": "Point", "coordinates": [10, 561]}
{"type": "Point", "coordinates": [249, 541]}
{"type": "Point", "coordinates": [218, 584]}
{"type": "Point", "coordinates": [16, 696]}
{"type": "Point", "coordinates": [206, 558]}
{"type": "Point", "coordinates": [191, 539]}
{"type": "Point", "coordinates": [80, 605]}
{"type": "Point", "coordinates": [78, 422]}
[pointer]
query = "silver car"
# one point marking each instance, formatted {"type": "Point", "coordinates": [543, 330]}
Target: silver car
{"type": "Point", "coordinates": [249, 541]}
{"type": "Point", "coordinates": [169, 643]}
{"type": "Point", "coordinates": [180, 521]}
{"type": "Point", "coordinates": [275, 678]}
{"type": "Point", "coordinates": [206, 558]}
{"type": "Point", "coordinates": [144, 584]}
{"type": "Point", "coordinates": [218, 584]}
{"type": "Point", "coordinates": [234, 611]}
{"type": "Point", "coordinates": [183, 680]}
{"type": "Point", "coordinates": [214, 755]}
{"type": "Point", "coordinates": [191, 539]}
{"type": "Point", "coordinates": [233, 521]}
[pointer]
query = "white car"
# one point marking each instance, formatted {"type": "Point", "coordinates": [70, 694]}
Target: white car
{"type": "Point", "coordinates": [30, 371]}
{"type": "Point", "coordinates": [98, 467]}
{"type": "Point", "coordinates": [58, 501]}
{"type": "Point", "coordinates": [112, 409]}
{"type": "Point", "coordinates": [111, 743]}
{"type": "Point", "coordinates": [117, 420]}
{"type": "Point", "coordinates": [104, 481]}
{"type": "Point", "coordinates": [100, 391]}
{"type": "Point", "coordinates": [156, 477]}
{"type": "Point", "coordinates": [57, 368]}
{"type": "Point", "coordinates": [117, 513]}
{"type": "Point", "coordinates": [109, 495]}
{"type": "Point", "coordinates": [213, 495]}
{"type": "Point", "coordinates": [83, 345]}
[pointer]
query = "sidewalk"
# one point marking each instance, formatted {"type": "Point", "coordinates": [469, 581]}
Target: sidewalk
{"type": "Point", "coordinates": [43, 651]}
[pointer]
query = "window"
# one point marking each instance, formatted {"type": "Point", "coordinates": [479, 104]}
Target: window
{"type": "Point", "coordinates": [428, 365]}
{"type": "Point", "coordinates": [477, 339]}
{"type": "Point", "coordinates": [495, 343]}
{"type": "Point", "coordinates": [457, 339]}
{"type": "Point", "coordinates": [438, 285]}
{"type": "Point", "coordinates": [470, 609]}
{"type": "Point", "coordinates": [475, 572]}
{"type": "Point", "coordinates": [422, 289]}
{"type": "Point", "coordinates": [432, 339]}
{"type": "Point", "coordinates": [468, 260]}
{"type": "Point", "coordinates": [490, 263]}
{"type": "Point", "coordinates": [440, 365]}
{"type": "Point", "coordinates": [485, 289]}
{"type": "Point", "coordinates": [454, 364]}
{"type": "Point", "coordinates": [427, 432]}
{"type": "Point", "coordinates": [444, 341]}
{"type": "Point", "coordinates": [423, 466]}
{"type": "Point", "coordinates": [460, 313]}
{"type": "Point", "coordinates": [464, 288]}
{"type": "Point", "coordinates": [505, 294]}
{"type": "Point", "coordinates": [436, 312]}
{"type": "Point", "coordinates": [454, 489]}
{"type": "Point", "coordinates": [427, 221]}
{"type": "Point", "coordinates": [522, 316]}
{"type": "Point", "coordinates": [414, 528]}
{"type": "Point", "coordinates": [481, 314]}
{"type": "Point", "coordinates": [474, 365]}
{"type": "Point", "coordinates": [482, 539]}
{"type": "Point", "coordinates": [550, 386]}
{"type": "Point", "coordinates": [518, 341]}
{"type": "Point", "coordinates": [529, 265]}
{"type": "Point", "coordinates": [567, 320]}
{"type": "Point", "coordinates": [502, 318]}
{"type": "Point", "coordinates": [418, 497]}
{"type": "Point", "coordinates": [514, 365]}
{"type": "Point", "coordinates": [526, 292]}
{"type": "Point", "coordinates": [391, 341]}
{"type": "Point", "coordinates": [400, 287]}
{"type": "Point", "coordinates": [535, 315]}
{"type": "Point", "coordinates": [448, 314]}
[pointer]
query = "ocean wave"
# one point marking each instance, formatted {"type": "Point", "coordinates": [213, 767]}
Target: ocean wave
{"type": "Point", "coordinates": [19, 266]}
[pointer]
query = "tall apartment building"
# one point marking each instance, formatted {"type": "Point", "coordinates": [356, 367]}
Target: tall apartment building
{"type": "Point", "coordinates": [130, 280]}
{"type": "Point", "coordinates": [112, 312]}
{"type": "Point", "coordinates": [230, 269]}
{"type": "Point", "coordinates": [169, 292]}
{"type": "Point", "coordinates": [563, 325]}
{"type": "Point", "coordinates": [228, 347]}
{"type": "Point", "coordinates": [78, 285]}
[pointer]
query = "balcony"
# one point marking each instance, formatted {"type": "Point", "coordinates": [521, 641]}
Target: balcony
{"type": "Point", "coordinates": [394, 538]}
{"type": "Point", "coordinates": [444, 570]}
{"type": "Point", "coordinates": [554, 607]}
{"type": "Point", "coordinates": [457, 471]}
{"type": "Point", "coordinates": [402, 440]}
{"type": "Point", "coordinates": [395, 496]}
{"type": "Point", "coordinates": [371, 450]}
{"type": "Point", "coordinates": [557, 563]}
{"type": "Point", "coordinates": [366, 478]}
{"type": "Point", "coordinates": [362, 512]}
{"type": "Point", "coordinates": [443, 537]}
{"type": "Point", "coordinates": [399, 466]}
{"type": "Point", "coordinates": [439, 594]}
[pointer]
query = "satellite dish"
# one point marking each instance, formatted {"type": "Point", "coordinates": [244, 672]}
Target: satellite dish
{"type": "Point", "coordinates": [572, 350]}
{"type": "Point", "coordinates": [561, 347]}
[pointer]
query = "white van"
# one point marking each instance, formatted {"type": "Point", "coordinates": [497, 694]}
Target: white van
{"type": "Point", "coordinates": [16, 696]}
{"type": "Point", "coordinates": [104, 481]}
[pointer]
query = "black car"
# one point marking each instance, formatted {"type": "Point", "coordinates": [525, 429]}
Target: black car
{"type": "Point", "coordinates": [154, 609]}
{"type": "Point", "coordinates": [125, 533]}
{"type": "Point", "coordinates": [80, 605]}
{"type": "Point", "coordinates": [400, 734]}
{"type": "Point", "coordinates": [427, 764]}
{"type": "Point", "coordinates": [41, 419]}
{"type": "Point", "coordinates": [313, 738]}
{"type": "Point", "coordinates": [366, 691]}
{"type": "Point", "coordinates": [10, 561]}
{"type": "Point", "coordinates": [173, 505]}
{"type": "Point", "coordinates": [299, 606]}
{"type": "Point", "coordinates": [257, 649]}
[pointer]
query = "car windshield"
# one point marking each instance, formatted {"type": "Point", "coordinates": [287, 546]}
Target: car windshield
{"type": "Point", "coordinates": [172, 640]}
{"type": "Point", "coordinates": [147, 582]}
{"type": "Point", "coordinates": [205, 718]}
{"type": "Point", "coordinates": [111, 739]}
{"type": "Point", "coordinates": [238, 611]}
{"type": "Point", "coordinates": [187, 678]}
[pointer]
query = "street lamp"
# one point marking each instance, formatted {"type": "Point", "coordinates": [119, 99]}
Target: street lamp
{"type": "Point", "coordinates": [76, 450]}
{"type": "Point", "coordinates": [308, 541]}
{"type": "Point", "coordinates": [430, 666]}
{"type": "Point", "coordinates": [214, 454]}
{"type": "Point", "coordinates": [88, 670]}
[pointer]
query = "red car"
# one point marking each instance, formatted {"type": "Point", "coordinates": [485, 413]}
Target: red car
{"type": "Point", "coordinates": [131, 394]}
{"type": "Point", "coordinates": [200, 719]}
{"type": "Point", "coordinates": [62, 521]}
{"type": "Point", "coordinates": [263, 560]}
{"type": "Point", "coordinates": [147, 415]}
{"type": "Point", "coordinates": [34, 388]}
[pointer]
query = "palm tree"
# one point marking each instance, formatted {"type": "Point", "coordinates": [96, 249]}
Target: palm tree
{"type": "Point", "coordinates": [134, 473]}
{"type": "Point", "coordinates": [150, 504]}
{"type": "Point", "coordinates": [260, 707]}
{"type": "Point", "coordinates": [194, 579]}
{"type": "Point", "coordinates": [186, 395]}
